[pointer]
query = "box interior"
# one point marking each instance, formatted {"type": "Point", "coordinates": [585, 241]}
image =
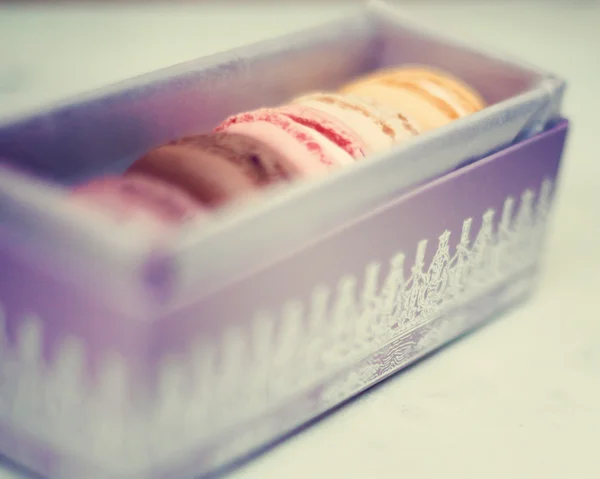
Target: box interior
{"type": "Point", "coordinates": [106, 130]}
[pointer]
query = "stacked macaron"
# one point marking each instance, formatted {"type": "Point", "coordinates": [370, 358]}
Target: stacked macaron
{"type": "Point", "coordinates": [434, 98]}
{"type": "Point", "coordinates": [139, 200]}
{"type": "Point", "coordinates": [309, 136]}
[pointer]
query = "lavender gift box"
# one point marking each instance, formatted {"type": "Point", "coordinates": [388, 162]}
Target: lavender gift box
{"type": "Point", "coordinates": [121, 358]}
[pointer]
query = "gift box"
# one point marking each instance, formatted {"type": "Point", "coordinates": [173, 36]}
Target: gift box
{"type": "Point", "coordinates": [124, 358]}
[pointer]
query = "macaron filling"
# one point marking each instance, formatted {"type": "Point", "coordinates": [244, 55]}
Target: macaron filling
{"type": "Point", "coordinates": [329, 126]}
{"type": "Point", "coordinates": [303, 148]}
{"type": "Point", "coordinates": [418, 89]}
{"type": "Point", "coordinates": [380, 128]}
{"type": "Point", "coordinates": [204, 173]}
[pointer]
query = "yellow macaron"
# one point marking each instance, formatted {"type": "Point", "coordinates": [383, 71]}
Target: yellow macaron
{"type": "Point", "coordinates": [433, 97]}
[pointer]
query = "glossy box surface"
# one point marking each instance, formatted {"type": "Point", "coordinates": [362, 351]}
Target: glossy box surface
{"type": "Point", "coordinates": [123, 358]}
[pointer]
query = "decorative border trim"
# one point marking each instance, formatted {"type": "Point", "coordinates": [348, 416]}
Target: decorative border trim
{"type": "Point", "coordinates": [289, 352]}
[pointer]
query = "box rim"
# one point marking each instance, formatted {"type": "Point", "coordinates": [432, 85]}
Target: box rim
{"type": "Point", "coordinates": [224, 220]}
{"type": "Point", "coordinates": [562, 124]}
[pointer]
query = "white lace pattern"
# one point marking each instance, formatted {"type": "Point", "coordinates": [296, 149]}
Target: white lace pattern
{"type": "Point", "coordinates": [381, 321]}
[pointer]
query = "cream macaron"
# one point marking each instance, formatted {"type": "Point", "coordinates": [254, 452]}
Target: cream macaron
{"type": "Point", "coordinates": [433, 97]}
{"type": "Point", "coordinates": [379, 127]}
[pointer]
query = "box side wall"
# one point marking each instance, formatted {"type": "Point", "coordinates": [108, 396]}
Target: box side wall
{"type": "Point", "coordinates": [501, 193]}
{"type": "Point", "coordinates": [370, 292]}
{"type": "Point", "coordinates": [53, 236]}
{"type": "Point", "coordinates": [272, 338]}
{"type": "Point", "coordinates": [303, 213]}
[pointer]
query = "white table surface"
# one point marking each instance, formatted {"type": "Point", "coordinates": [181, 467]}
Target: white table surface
{"type": "Point", "coordinates": [518, 399]}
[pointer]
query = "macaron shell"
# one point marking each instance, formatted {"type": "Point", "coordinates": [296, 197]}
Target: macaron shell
{"type": "Point", "coordinates": [205, 175]}
{"type": "Point", "coordinates": [300, 149]}
{"type": "Point", "coordinates": [404, 125]}
{"type": "Point", "coordinates": [298, 160]}
{"type": "Point", "coordinates": [372, 133]}
{"type": "Point", "coordinates": [329, 126]}
{"type": "Point", "coordinates": [254, 157]}
{"type": "Point", "coordinates": [435, 92]}
{"type": "Point", "coordinates": [379, 126]}
{"type": "Point", "coordinates": [138, 199]}
{"type": "Point", "coordinates": [335, 155]}
{"type": "Point", "coordinates": [425, 112]}
{"type": "Point", "coordinates": [470, 97]}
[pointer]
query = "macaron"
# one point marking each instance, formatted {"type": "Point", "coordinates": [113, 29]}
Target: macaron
{"type": "Point", "coordinates": [255, 158]}
{"type": "Point", "coordinates": [302, 150]}
{"type": "Point", "coordinates": [201, 168]}
{"type": "Point", "coordinates": [331, 127]}
{"type": "Point", "coordinates": [378, 127]}
{"type": "Point", "coordinates": [433, 97]}
{"type": "Point", "coordinates": [138, 199]}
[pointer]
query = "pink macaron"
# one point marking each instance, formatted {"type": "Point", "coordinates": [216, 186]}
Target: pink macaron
{"type": "Point", "coordinates": [329, 126]}
{"type": "Point", "coordinates": [379, 127]}
{"type": "Point", "coordinates": [199, 167]}
{"type": "Point", "coordinates": [302, 150]}
{"type": "Point", "coordinates": [252, 158]}
{"type": "Point", "coordinates": [138, 199]}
